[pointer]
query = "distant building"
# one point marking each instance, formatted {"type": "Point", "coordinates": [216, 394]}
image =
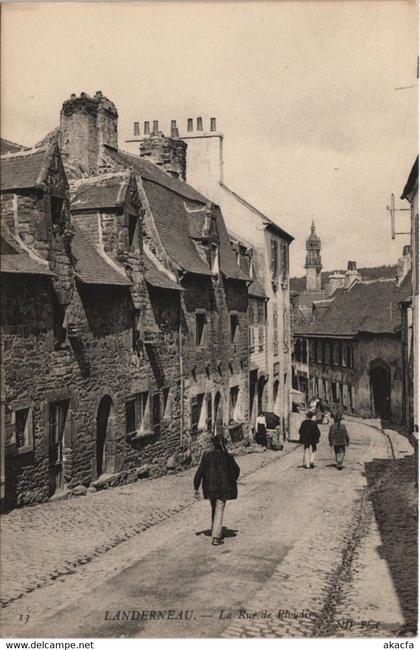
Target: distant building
{"type": "Point", "coordinates": [347, 339]}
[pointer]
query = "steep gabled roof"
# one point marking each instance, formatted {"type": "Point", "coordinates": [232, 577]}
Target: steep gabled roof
{"type": "Point", "coordinates": [366, 307]}
{"type": "Point", "coordinates": [92, 267]}
{"type": "Point", "coordinates": [16, 260]}
{"type": "Point", "coordinates": [268, 222]}
{"type": "Point", "coordinates": [101, 191]}
{"type": "Point", "coordinates": [28, 169]}
{"type": "Point", "coordinates": [152, 172]}
{"type": "Point", "coordinates": [10, 147]}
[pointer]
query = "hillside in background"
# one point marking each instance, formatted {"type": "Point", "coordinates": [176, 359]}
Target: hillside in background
{"type": "Point", "coordinates": [369, 273]}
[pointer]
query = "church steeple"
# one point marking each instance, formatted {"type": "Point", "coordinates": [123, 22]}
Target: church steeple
{"type": "Point", "coordinates": [313, 264]}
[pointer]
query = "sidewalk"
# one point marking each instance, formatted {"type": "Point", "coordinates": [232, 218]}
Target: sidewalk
{"type": "Point", "coordinates": [46, 542]}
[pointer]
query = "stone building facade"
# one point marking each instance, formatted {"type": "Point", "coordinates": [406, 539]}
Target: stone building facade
{"type": "Point", "coordinates": [269, 242]}
{"type": "Point", "coordinates": [124, 315]}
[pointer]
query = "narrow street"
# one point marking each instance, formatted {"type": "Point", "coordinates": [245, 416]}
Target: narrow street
{"type": "Point", "coordinates": [306, 553]}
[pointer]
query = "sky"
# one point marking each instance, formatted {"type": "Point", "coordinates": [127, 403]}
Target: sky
{"type": "Point", "coordinates": [317, 101]}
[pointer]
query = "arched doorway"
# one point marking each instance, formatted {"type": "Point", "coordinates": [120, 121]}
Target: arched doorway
{"type": "Point", "coordinates": [218, 414]}
{"type": "Point", "coordinates": [262, 394]}
{"type": "Point", "coordinates": [102, 420]}
{"type": "Point", "coordinates": [380, 383]}
{"type": "Point", "coordinates": [275, 392]}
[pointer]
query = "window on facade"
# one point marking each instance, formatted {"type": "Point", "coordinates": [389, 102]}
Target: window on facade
{"type": "Point", "coordinates": [335, 354]}
{"type": "Point", "coordinates": [135, 330]}
{"type": "Point", "coordinates": [19, 430]}
{"type": "Point", "coordinates": [234, 328]}
{"type": "Point", "coordinates": [261, 313]}
{"type": "Point", "coordinates": [57, 416]}
{"type": "Point", "coordinates": [298, 350]}
{"type": "Point", "coordinates": [166, 405]}
{"type": "Point", "coordinates": [132, 230]}
{"type": "Point", "coordinates": [319, 351]}
{"type": "Point", "coordinates": [284, 260]}
{"type": "Point", "coordinates": [304, 352]}
{"type": "Point", "coordinates": [275, 333]}
{"type": "Point", "coordinates": [327, 353]}
{"type": "Point", "coordinates": [251, 338]}
{"type": "Point", "coordinates": [350, 393]}
{"type": "Point", "coordinates": [350, 355]}
{"type": "Point", "coordinates": [311, 351]}
{"type": "Point", "coordinates": [233, 403]}
{"type": "Point", "coordinates": [59, 324]}
{"type": "Point", "coordinates": [56, 210]}
{"type": "Point", "coordinates": [334, 391]}
{"type": "Point", "coordinates": [137, 413]}
{"type": "Point", "coordinates": [209, 413]}
{"type": "Point", "coordinates": [343, 355]}
{"type": "Point", "coordinates": [274, 257]}
{"type": "Point", "coordinates": [261, 338]}
{"type": "Point", "coordinates": [197, 413]}
{"type": "Point", "coordinates": [156, 413]}
{"type": "Point", "coordinates": [200, 328]}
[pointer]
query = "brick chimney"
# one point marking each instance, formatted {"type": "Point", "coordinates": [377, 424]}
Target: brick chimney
{"type": "Point", "coordinates": [167, 152]}
{"type": "Point", "coordinates": [87, 124]}
{"type": "Point", "coordinates": [352, 274]}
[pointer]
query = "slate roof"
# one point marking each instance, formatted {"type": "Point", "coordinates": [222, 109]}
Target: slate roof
{"type": "Point", "coordinates": [23, 170]}
{"type": "Point", "coordinates": [256, 290]}
{"type": "Point", "coordinates": [366, 307]}
{"type": "Point", "coordinates": [10, 147]}
{"type": "Point", "coordinates": [412, 180]}
{"type": "Point", "coordinates": [16, 260]}
{"type": "Point", "coordinates": [269, 222]}
{"type": "Point", "coordinates": [90, 266]}
{"type": "Point", "coordinates": [157, 278]}
{"type": "Point", "coordinates": [151, 172]}
{"type": "Point", "coordinates": [101, 191]}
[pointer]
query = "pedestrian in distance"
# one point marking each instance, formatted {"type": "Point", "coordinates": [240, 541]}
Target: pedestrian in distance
{"type": "Point", "coordinates": [261, 432]}
{"type": "Point", "coordinates": [320, 410]}
{"type": "Point", "coordinates": [218, 472]}
{"type": "Point", "coordinates": [309, 435]}
{"type": "Point", "coordinates": [313, 404]}
{"type": "Point", "coordinates": [338, 439]}
{"type": "Point", "coordinates": [337, 411]}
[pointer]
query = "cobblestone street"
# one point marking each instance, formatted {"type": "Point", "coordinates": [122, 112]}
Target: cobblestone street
{"type": "Point", "coordinates": [307, 553]}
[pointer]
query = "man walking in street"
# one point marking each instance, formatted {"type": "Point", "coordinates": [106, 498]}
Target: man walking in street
{"type": "Point", "coordinates": [336, 411]}
{"type": "Point", "coordinates": [338, 438]}
{"type": "Point", "coordinates": [309, 435]}
{"type": "Point", "coordinates": [218, 471]}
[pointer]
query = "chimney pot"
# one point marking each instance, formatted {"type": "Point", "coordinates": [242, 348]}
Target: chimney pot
{"type": "Point", "coordinates": [98, 94]}
{"type": "Point", "coordinates": [174, 129]}
{"type": "Point", "coordinates": [147, 128]}
{"type": "Point", "coordinates": [352, 266]}
{"type": "Point", "coordinates": [155, 127]}
{"type": "Point", "coordinates": [83, 95]}
{"type": "Point", "coordinates": [190, 124]}
{"type": "Point", "coordinates": [199, 123]}
{"type": "Point", "coordinates": [136, 128]}
{"type": "Point", "coordinates": [73, 96]}
{"type": "Point", "coordinates": [212, 124]}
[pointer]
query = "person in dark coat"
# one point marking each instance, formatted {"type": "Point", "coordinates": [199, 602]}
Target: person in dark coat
{"type": "Point", "coordinates": [338, 438]}
{"type": "Point", "coordinates": [218, 472]}
{"type": "Point", "coordinates": [309, 435]}
{"type": "Point", "coordinates": [320, 410]}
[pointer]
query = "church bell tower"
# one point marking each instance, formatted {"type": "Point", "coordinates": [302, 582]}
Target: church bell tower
{"type": "Point", "coordinates": [313, 264]}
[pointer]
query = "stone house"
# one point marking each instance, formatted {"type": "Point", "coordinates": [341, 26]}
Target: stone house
{"type": "Point", "coordinates": [270, 243]}
{"type": "Point", "coordinates": [354, 349]}
{"type": "Point", "coordinates": [121, 278]}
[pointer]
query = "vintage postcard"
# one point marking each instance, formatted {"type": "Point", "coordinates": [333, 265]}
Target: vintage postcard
{"type": "Point", "coordinates": [209, 320]}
